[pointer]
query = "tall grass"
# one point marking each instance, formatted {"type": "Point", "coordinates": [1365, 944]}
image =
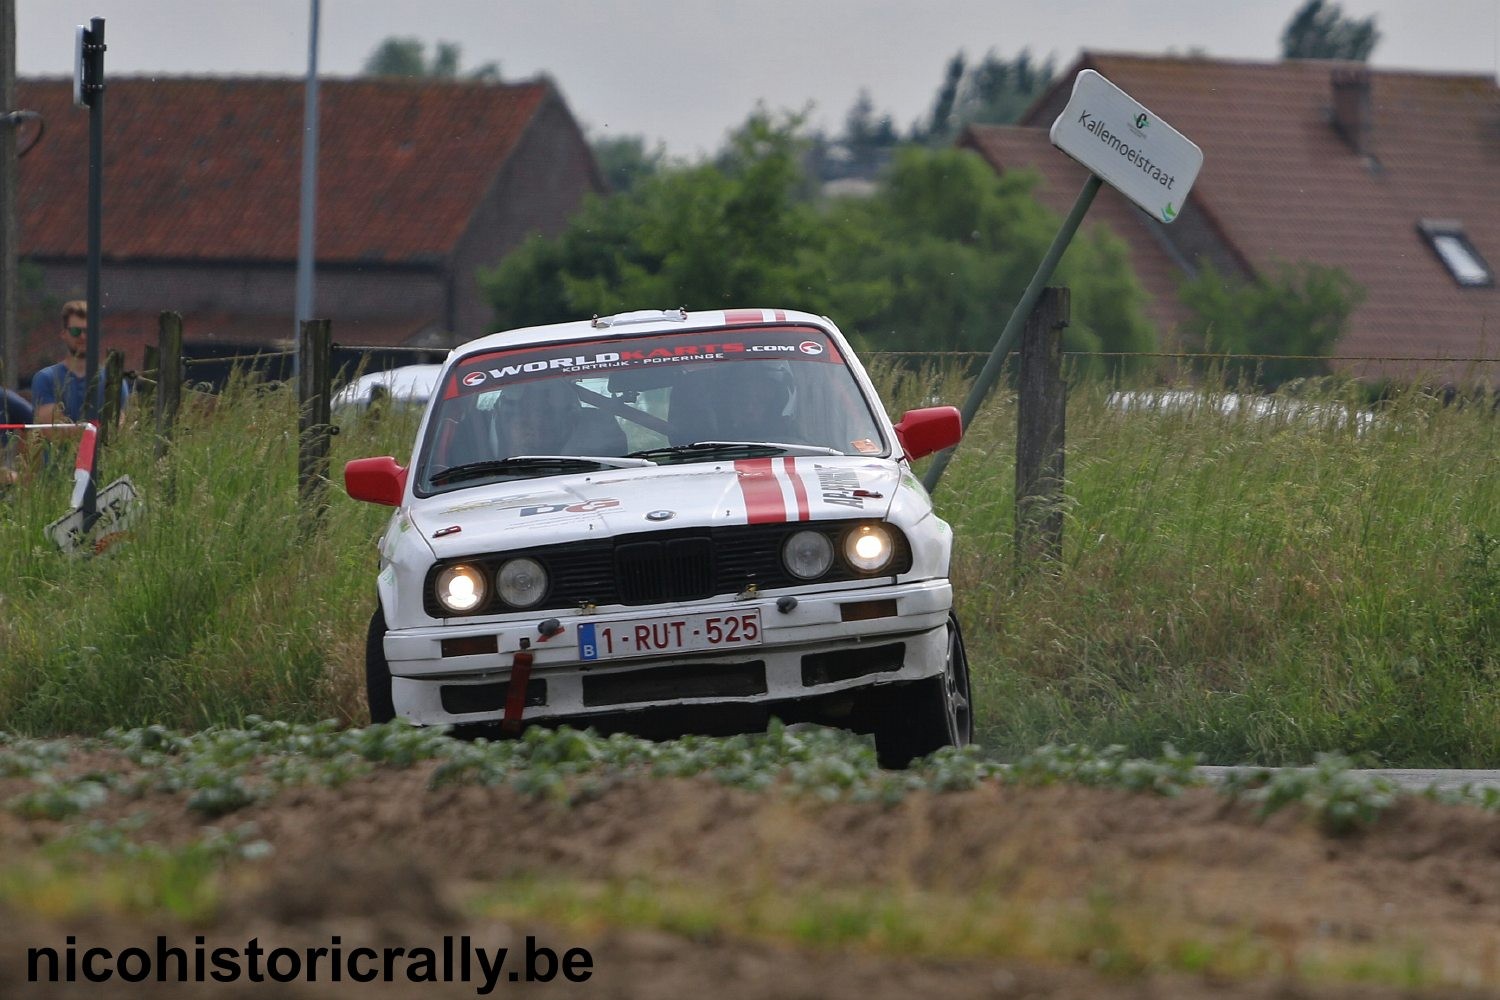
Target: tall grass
{"type": "Point", "coordinates": [1257, 589]}
{"type": "Point", "coordinates": [219, 605]}
{"type": "Point", "coordinates": [1252, 587]}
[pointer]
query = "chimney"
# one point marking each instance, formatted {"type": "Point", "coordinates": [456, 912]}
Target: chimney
{"type": "Point", "coordinates": [1352, 109]}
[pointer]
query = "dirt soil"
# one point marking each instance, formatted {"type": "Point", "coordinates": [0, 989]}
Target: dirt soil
{"type": "Point", "coordinates": [1077, 874]}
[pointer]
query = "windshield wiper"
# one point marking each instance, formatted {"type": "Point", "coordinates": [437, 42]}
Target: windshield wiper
{"type": "Point", "coordinates": [532, 463]}
{"type": "Point", "coordinates": [750, 449]}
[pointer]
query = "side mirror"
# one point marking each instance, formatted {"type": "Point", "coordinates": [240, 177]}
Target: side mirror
{"type": "Point", "coordinates": [932, 428]}
{"type": "Point", "coordinates": [375, 480]}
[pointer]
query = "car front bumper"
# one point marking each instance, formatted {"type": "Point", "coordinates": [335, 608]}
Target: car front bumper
{"type": "Point", "coordinates": [828, 643]}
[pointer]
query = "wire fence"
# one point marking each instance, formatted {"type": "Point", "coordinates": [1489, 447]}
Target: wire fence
{"type": "Point", "coordinates": [1206, 356]}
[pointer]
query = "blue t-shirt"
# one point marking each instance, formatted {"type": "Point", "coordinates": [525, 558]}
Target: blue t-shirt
{"type": "Point", "coordinates": [55, 384]}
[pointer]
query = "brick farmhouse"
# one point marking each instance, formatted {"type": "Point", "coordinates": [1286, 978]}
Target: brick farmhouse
{"type": "Point", "coordinates": [421, 183]}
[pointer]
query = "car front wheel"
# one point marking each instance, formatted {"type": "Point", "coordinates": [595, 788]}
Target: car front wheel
{"type": "Point", "coordinates": [919, 717]}
{"type": "Point", "coordinates": [378, 671]}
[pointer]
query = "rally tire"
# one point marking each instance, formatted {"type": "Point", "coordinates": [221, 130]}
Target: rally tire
{"type": "Point", "coordinates": [922, 716]}
{"type": "Point", "coordinates": [378, 671]}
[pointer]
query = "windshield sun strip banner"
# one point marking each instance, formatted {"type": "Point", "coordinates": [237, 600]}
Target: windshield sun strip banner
{"type": "Point", "coordinates": [496, 369]}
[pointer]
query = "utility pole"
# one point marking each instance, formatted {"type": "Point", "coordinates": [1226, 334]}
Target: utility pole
{"type": "Point", "coordinates": [10, 334]}
{"type": "Point", "coordinates": [306, 241]}
{"type": "Point", "coordinates": [89, 85]}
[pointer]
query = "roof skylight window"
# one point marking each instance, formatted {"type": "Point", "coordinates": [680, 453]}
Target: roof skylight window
{"type": "Point", "coordinates": [1458, 255]}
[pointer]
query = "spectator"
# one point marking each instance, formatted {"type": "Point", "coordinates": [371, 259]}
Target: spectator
{"type": "Point", "coordinates": [57, 391]}
{"type": "Point", "coordinates": [13, 410]}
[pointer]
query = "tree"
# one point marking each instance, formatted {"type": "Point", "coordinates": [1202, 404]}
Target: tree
{"type": "Point", "coordinates": [624, 160]}
{"type": "Point", "coordinates": [733, 232]}
{"type": "Point", "coordinates": [866, 144]}
{"type": "Point", "coordinates": [944, 104]}
{"type": "Point", "coordinates": [934, 260]}
{"type": "Point", "coordinates": [407, 57]}
{"type": "Point", "coordinates": [938, 258]}
{"type": "Point", "coordinates": [994, 92]}
{"type": "Point", "coordinates": [1297, 310]}
{"type": "Point", "coordinates": [998, 90]}
{"type": "Point", "coordinates": [1321, 31]}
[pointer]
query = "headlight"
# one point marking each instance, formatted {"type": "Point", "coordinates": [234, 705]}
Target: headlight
{"type": "Point", "coordinates": [461, 588]}
{"type": "Point", "coordinates": [868, 548]}
{"type": "Point", "coordinates": [807, 554]}
{"type": "Point", "coordinates": [522, 583]}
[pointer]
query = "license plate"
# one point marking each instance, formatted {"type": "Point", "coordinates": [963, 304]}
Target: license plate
{"type": "Point", "coordinates": [654, 636]}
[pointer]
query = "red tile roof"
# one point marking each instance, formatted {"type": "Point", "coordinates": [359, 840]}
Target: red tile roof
{"type": "Point", "coordinates": [1282, 184]}
{"type": "Point", "coordinates": [209, 169]}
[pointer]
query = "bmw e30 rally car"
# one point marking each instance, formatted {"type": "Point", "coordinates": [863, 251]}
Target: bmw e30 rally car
{"type": "Point", "coordinates": [704, 512]}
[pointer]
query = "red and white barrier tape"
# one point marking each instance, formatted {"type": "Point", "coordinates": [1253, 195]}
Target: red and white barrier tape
{"type": "Point", "coordinates": [83, 469]}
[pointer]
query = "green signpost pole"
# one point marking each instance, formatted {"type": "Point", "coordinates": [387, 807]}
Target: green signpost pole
{"type": "Point", "coordinates": [990, 374]}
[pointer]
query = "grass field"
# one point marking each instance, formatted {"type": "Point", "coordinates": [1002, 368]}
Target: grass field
{"type": "Point", "coordinates": [1257, 589]}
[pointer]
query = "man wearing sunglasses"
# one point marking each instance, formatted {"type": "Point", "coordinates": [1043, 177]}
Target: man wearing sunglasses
{"type": "Point", "coordinates": [57, 391]}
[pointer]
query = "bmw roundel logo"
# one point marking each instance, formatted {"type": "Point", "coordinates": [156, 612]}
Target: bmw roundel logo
{"type": "Point", "coordinates": [661, 515]}
{"type": "Point", "coordinates": [810, 347]}
{"type": "Point", "coordinates": [473, 378]}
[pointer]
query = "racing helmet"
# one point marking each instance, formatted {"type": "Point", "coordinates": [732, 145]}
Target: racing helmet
{"type": "Point", "coordinates": [537, 417]}
{"type": "Point", "coordinates": [758, 387]}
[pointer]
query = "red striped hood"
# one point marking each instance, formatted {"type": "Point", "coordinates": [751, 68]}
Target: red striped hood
{"type": "Point", "coordinates": [559, 509]}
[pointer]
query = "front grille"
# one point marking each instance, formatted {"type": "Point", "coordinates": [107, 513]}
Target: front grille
{"type": "Point", "coordinates": [662, 567]}
{"type": "Point", "coordinates": [655, 572]}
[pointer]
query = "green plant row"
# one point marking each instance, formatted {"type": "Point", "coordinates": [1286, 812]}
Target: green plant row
{"type": "Point", "coordinates": [222, 770]}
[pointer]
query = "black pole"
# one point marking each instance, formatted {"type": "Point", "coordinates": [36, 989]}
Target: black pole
{"type": "Point", "coordinates": [94, 82]}
{"type": "Point", "coordinates": [93, 93]}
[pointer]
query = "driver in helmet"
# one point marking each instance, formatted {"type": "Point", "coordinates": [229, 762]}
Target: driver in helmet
{"type": "Point", "coordinates": [537, 418]}
{"type": "Point", "coordinates": [754, 402]}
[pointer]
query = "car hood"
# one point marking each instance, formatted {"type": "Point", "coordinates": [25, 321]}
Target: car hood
{"type": "Point", "coordinates": [557, 509]}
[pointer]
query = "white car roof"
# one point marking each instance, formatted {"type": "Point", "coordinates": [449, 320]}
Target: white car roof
{"type": "Point", "coordinates": [633, 323]}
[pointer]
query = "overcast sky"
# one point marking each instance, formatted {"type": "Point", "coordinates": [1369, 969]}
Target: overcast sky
{"type": "Point", "coordinates": [686, 71]}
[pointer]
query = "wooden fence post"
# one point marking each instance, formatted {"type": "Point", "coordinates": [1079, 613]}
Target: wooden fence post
{"type": "Point", "coordinates": [1040, 432]}
{"type": "Point", "coordinates": [168, 378]}
{"type": "Point", "coordinates": [314, 394]}
{"type": "Point", "coordinates": [109, 413]}
{"type": "Point", "coordinates": [150, 374]}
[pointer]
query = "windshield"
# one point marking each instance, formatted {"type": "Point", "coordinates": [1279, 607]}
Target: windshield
{"type": "Point", "coordinates": [697, 396]}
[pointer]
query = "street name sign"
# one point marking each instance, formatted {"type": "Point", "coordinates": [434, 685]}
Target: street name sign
{"type": "Point", "coordinates": [117, 507]}
{"type": "Point", "coordinates": [1127, 146]}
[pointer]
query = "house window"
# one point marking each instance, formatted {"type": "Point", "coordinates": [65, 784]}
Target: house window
{"type": "Point", "coordinates": [1458, 255]}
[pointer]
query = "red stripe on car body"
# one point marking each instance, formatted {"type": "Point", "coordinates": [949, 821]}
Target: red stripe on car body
{"type": "Point", "coordinates": [763, 502]}
{"type": "Point", "coordinates": [804, 513]}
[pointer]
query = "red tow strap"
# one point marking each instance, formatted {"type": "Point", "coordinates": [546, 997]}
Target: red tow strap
{"type": "Point", "coordinates": [515, 698]}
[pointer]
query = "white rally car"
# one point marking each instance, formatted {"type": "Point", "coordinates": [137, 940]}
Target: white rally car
{"type": "Point", "coordinates": [699, 519]}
